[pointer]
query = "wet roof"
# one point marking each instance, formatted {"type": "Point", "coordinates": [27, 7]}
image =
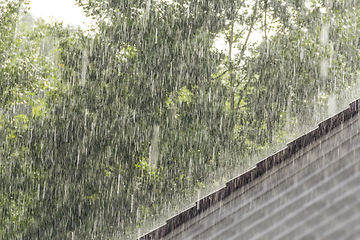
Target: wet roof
{"type": "Point", "coordinates": [309, 189]}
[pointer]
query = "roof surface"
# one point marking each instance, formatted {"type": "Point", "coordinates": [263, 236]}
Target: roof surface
{"type": "Point", "coordinates": [308, 190]}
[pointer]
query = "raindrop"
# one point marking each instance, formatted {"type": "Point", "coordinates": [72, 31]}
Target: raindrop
{"type": "Point", "coordinates": [132, 203]}
{"type": "Point", "coordinates": [85, 62]}
{"type": "Point", "coordinates": [332, 107]}
{"type": "Point", "coordinates": [324, 36]}
{"type": "Point", "coordinates": [43, 196]}
{"type": "Point", "coordinates": [154, 149]}
{"type": "Point", "coordinates": [324, 68]}
{"type": "Point", "coordinates": [118, 185]}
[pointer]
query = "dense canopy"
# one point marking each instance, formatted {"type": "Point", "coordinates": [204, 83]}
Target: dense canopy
{"type": "Point", "coordinates": [104, 131]}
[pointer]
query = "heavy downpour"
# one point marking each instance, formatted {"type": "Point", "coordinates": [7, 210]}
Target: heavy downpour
{"type": "Point", "coordinates": [179, 119]}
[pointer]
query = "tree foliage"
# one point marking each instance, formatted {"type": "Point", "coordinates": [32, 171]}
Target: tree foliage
{"type": "Point", "coordinates": [101, 131]}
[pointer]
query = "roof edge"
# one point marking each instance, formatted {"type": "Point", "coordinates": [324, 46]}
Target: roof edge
{"type": "Point", "coordinates": [260, 168]}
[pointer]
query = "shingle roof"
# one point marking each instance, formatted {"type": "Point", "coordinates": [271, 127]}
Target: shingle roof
{"type": "Point", "coordinates": [309, 188]}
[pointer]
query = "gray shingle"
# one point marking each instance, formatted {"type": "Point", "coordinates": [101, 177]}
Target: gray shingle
{"type": "Point", "coordinates": [308, 190]}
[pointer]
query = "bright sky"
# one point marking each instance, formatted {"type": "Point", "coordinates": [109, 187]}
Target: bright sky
{"type": "Point", "coordinates": [67, 12]}
{"type": "Point", "coordinates": [61, 10]}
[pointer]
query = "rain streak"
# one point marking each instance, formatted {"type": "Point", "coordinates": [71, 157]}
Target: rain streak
{"type": "Point", "coordinates": [106, 132]}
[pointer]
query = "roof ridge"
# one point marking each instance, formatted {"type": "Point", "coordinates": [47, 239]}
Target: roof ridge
{"type": "Point", "coordinates": [259, 169]}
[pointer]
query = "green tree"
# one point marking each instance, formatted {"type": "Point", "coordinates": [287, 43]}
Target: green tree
{"type": "Point", "coordinates": [27, 72]}
{"type": "Point", "coordinates": [145, 110]}
{"type": "Point", "coordinates": [307, 61]}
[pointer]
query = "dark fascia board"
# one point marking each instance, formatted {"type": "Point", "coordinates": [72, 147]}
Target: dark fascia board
{"type": "Point", "coordinates": [253, 173]}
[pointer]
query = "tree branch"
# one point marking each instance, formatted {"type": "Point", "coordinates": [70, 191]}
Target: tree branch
{"type": "Point", "coordinates": [241, 133]}
{"type": "Point", "coordinates": [221, 74]}
{"type": "Point", "coordinates": [243, 92]}
{"type": "Point", "coordinates": [232, 105]}
{"type": "Point", "coordinates": [249, 32]}
{"type": "Point", "coordinates": [265, 23]}
{"type": "Point", "coordinates": [241, 81]}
